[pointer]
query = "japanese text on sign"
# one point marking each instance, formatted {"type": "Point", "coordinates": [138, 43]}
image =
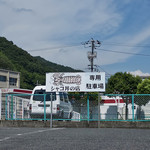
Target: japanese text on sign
{"type": "Point", "coordinates": [75, 82]}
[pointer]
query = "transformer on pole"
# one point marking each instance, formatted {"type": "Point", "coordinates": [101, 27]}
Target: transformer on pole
{"type": "Point", "coordinates": [92, 54]}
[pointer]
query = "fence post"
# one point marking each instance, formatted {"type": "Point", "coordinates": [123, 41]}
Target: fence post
{"type": "Point", "coordinates": [99, 117]}
{"type": "Point", "coordinates": [44, 107]}
{"type": "Point", "coordinates": [22, 110]}
{"type": "Point", "coordinates": [51, 115]}
{"type": "Point", "coordinates": [0, 103]}
{"type": "Point", "coordinates": [11, 107]}
{"type": "Point", "coordinates": [133, 107]}
{"type": "Point", "coordinates": [15, 109]}
{"type": "Point", "coordinates": [8, 106]}
{"type": "Point", "coordinates": [88, 109]}
{"type": "Point", "coordinates": [6, 113]}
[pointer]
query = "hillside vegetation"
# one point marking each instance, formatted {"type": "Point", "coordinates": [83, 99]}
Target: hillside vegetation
{"type": "Point", "coordinates": [32, 69]}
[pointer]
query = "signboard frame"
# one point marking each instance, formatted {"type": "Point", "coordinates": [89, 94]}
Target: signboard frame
{"type": "Point", "coordinates": [75, 82]}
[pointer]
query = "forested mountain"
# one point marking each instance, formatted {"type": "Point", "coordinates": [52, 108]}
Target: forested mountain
{"type": "Point", "coordinates": [32, 69]}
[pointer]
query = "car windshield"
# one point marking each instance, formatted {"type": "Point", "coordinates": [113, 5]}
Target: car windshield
{"type": "Point", "coordinates": [39, 95]}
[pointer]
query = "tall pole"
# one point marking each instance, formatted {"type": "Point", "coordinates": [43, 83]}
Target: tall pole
{"type": "Point", "coordinates": [99, 117]}
{"type": "Point", "coordinates": [51, 112]}
{"type": "Point", "coordinates": [91, 55]}
{"type": "Point", "coordinates": [92, 58]}
{"type": "Point", "coordinates": [1, 103]}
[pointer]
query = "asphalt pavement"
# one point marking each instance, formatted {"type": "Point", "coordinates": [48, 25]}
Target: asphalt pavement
{"type": "Point", "coordinates": [74, 139]}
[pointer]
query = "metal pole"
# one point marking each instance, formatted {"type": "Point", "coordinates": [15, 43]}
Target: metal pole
{"type": "Point", "coordinates": [132, 107]}
{"type": "Point", "coordinates": [99, 117]}
{"type": "Point", "coordinates": [23, 117]}
{"type": "Point", "coordinates": [0, 103]}
{"type": "Point", "coordinates": [92, 55]}
{"type": "Point", "coordinates": [6, 105]}
{"type": "Point", "coordinates": [44, 107]}
{"type": "Point", "coordinates": [93, 46]}
{"type": "Point", "coordinates": [126, 108]}
{"type": "Point", "coordinates": [51, 116]}
{"type": "Point", "coordinates": [88, 113]}
{"type": "Point", "coordinates": [15, 109]}
{"type": "Point", "coordinates": [11, 107]}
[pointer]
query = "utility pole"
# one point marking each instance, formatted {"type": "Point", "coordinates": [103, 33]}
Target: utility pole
{"type": "Point", "coordinates": [92, 54]}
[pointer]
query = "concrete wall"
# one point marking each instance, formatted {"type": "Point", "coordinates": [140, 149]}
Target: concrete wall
{"type": "Point", "coordinates": [82, 124]}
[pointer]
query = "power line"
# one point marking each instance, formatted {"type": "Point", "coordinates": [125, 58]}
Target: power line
{"type": "Point", "coordinates": [104, 43]}
{"type": "Point", "coordinates": [104, 70]}
{"type": "Point", "coordinates": [52, 48]}
{"type": "Point", "coordinates": [127, 45]}
{"type": "Point", "coordinates": [129, 53]}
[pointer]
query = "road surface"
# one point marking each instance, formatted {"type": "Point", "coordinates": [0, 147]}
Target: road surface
{"type": "Point", "coordinates": [74, 139]}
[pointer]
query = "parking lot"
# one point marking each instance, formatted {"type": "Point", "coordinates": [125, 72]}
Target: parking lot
{"type": "Point", "coordinates": [74, 139]}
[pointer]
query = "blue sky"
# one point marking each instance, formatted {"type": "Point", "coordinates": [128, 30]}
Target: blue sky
{"type": "Point", "coordinates": [55, 29]}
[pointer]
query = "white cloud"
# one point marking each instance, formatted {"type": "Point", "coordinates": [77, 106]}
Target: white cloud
{"type": "Point", "coordinates": [53, 20]}
{"type": "Point", "coordinates": [39, 24]}
{"type": "Point", "coordinates": [131, 40]}
{"type": "Point", "coordinates": [139, 73]}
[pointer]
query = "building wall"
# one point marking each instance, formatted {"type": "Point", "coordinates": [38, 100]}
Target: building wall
{"type": "Point", "coordinates": [9, 79]}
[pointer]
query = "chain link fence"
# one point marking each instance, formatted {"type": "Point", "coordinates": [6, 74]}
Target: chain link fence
{"type": "Point", "coordinates": [78, 107]}
{"type": "Point", "coordinates": [129, 107]}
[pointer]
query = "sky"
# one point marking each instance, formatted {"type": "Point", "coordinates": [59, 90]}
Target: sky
{"type": "Point", "coordinates": [57, 30]}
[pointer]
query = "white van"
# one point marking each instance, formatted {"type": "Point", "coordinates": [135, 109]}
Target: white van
{"type": "Point", "coordinates": [61, 106]}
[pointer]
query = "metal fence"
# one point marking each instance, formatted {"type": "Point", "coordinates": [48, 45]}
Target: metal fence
{"type": "Point", "coordinates": [78, 107]}
{"type": "Point", "coordinates": [128, 107]}
{"type": "Point", "coordinates": [16, 107]}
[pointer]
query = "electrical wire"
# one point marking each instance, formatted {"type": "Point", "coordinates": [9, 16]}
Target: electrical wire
{"type": "Point", "coordinates": [113, 51]}
{"type": "Point", "coordinates": [127, 45]}
{"type": "Point", "coordinates": [52, 48]}
{"type": "Point", "coordinates": [104, 70]}
{"type": "Point", "coordinates": [129, 53]}
{"type": "Point", "coordinates": [103, 43]}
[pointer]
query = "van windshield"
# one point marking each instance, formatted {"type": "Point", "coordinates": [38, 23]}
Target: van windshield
{"type": "Point", "coordinates": [63, 96]}
{"type": "Point", "coordinates": [39, 95]}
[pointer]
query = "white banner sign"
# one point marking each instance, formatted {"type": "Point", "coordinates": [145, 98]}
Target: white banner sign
{"type": "Point", "coordinates": [75, 82]}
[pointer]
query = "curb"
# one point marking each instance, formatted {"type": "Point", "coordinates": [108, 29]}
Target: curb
{"type": "Point", "coordinates": [69, 124]}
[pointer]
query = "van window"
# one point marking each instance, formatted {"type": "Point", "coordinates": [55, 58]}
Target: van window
{"type": "Point", "coordinates": [39, 95]}
{"type": "Point", "coordinates": [66, 97]}
{"type": "Point", "coordinates": [61, 96]}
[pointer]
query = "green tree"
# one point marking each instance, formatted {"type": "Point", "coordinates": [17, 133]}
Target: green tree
{"type": "Point", "coordinates": [122, 83]}
{"type": "Point", "coordinates": [32, 69]}
{"type": "Point", "coordinates": [5, 63]}
{"type": "Point", "coordinates": [144, 87]}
